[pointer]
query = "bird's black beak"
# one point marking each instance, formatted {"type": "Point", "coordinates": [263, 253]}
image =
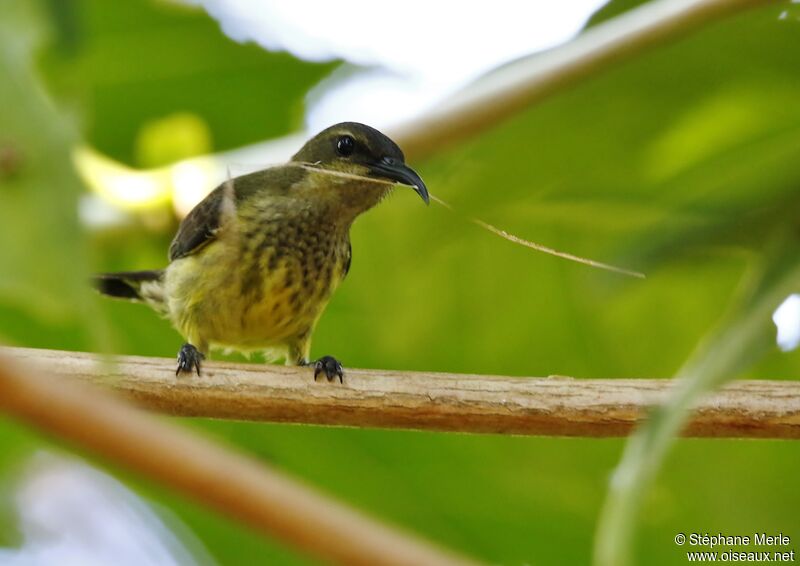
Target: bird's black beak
{"type": "Point", "coordinates": [396, 170]}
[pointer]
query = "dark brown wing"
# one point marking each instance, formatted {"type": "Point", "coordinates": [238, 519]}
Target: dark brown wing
{"type": "Point", "coordinates": [348, 260]}
{"type": "Point", "coordinates": [199, 227]}
{"type": "Point", "coordinates": [203, 223]}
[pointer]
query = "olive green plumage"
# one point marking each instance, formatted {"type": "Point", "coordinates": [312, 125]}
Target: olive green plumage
{"type": "Point", "coordinates": [254, 264]}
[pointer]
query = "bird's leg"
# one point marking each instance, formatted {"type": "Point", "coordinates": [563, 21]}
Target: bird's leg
{"type": "Point", "coordinates": [330, 366]}
{"type": "Point", "coordinates": [189, 358]}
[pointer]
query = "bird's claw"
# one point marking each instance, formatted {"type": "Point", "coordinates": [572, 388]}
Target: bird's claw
{"type": "Point", "coordinates": [330, 366]}
{"type": "Point", "coordinates": [189, 359]}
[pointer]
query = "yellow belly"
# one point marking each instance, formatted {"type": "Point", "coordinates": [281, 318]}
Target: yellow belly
{"type": "Point", "coordinates": [221, 299]}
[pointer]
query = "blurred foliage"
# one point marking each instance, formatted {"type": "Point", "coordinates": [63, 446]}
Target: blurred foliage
{"type": "Point", "coordinates": [681, 161]}
{"type": "Point", "coordinates": [122, 66]}
{"type": "Point", "coordinates": [741, 338]}
{"type": "Point", "coordinates": [172, 138]}
{"type": "Point", "coordinates": [39, 190]}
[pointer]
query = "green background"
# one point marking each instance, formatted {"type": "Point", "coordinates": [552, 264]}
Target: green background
{"type": "Point", "coordinates": [676, 163]}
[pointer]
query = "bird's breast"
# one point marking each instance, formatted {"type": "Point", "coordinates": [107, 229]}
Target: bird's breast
{"type": "Point", "coordinates": [290, 275]}
{"type": "Point", "coordinates": [261, 285]}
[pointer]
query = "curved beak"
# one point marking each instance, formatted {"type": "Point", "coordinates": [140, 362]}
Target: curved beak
{"type": "Point", "coordinates": [395, 170]}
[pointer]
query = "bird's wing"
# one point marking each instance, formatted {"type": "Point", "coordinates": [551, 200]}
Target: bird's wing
{"type": "Point", "coordinates": [348, 260]}
{"type": "Point", "coordinates": [206, 220]}
{"type": "Point", "coordinates": [200, 226]}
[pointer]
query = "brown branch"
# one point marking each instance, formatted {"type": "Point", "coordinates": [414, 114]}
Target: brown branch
{"type": "Point", "coordinates": [520, 85]}
{"type": "Point", "coordinates": [232, 483]}
{"type": "Point", "coordinates": [429, 401]}
{"type": "Point", "coordinates": [486, 103]}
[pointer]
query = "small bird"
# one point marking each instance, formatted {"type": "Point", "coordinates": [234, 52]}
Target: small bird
{"type": "Point", "coordinates": [255, 263]}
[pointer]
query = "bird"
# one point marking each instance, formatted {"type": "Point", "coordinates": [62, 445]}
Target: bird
{"type": "Point", "coordinates": [254, 264]}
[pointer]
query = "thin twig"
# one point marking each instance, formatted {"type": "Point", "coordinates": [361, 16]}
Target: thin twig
{"type": "Point", "coordinates": [481, 223]}
{"type": "Point", "coordinates": [541, 248]}
{"type": "Point", "coordinates": [227, 481]}
{"type": "Point", "coordinates": [430, 401]}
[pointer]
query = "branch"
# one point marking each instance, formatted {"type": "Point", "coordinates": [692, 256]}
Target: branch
{"type": "Point", "coordinates": [229, 482]}
{"type": "Point", "coordinates": [514, 88]}
{"type": "Point", "coordinates": [490, 100]}
{"type": "Point", "coordinates": [428, 401]}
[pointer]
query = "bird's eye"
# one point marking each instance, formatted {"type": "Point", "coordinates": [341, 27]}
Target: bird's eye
{"type": "Point", "coordinates": [345, 146]}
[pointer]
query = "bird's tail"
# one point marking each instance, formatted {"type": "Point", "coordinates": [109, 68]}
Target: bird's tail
{"type": "Point", "coordinates": [141, 286]}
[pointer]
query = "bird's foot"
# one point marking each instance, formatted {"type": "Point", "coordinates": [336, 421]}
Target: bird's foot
{"type": "Point", "coordinates": [328, 365]}
{"type": "Point", "coordinates": [189, 359]}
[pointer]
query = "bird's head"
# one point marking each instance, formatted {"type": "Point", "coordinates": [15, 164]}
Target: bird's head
{"type": "Point", "coordinates": [359, 150]}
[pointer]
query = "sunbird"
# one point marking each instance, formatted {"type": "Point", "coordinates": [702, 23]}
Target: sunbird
{"type": "Point", "coordinates": [254, 264]}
